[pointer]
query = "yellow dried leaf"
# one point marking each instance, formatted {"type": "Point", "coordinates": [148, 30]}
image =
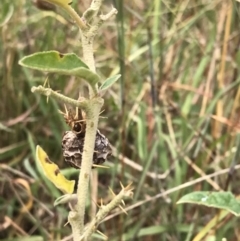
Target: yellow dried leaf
{"type": "Point", "coordinates": [53, 173]}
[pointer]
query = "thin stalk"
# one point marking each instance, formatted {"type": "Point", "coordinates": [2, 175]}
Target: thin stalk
{"type": "Point", "coordinates": [80, 23]}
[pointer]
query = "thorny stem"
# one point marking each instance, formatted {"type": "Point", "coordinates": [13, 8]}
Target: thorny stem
{"type": "Point", "coordinates": [83, 104]}
{"type": "Point", "coordinates": [89, 26]}
{"type": "Point", "coordinates": [76, 217]}
{"type": "Point", "coordinates": [105, 209]}
{"type": "Point", "coordinates": [88, 31]}
{"type": "Point", "coordinates": [87, 37]}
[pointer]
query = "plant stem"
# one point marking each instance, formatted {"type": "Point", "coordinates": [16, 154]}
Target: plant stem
{"type": "Point", "coordinates": [92, 116]}
{"type": "Point", "coordinates": [89, 145]}
{"type": "Point", "coordinates": [76, 217]}
{"type": "Point", "coordinates": [88, 57]}
{"type": "Point", "coordinates": [126, 192]}
{"type": "Point", "coordinates": [83, 103]}
{"type": "Point", "coordinates": [89, 26]}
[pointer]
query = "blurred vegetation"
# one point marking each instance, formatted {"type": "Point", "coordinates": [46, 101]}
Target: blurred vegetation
{"type": "Point", "coordinates": [172, 118]}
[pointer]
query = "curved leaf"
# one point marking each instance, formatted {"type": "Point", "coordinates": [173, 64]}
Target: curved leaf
{"type": "Point", "coordinates": [109, 82]}
{"type": "Point", "coordinates": [55, 62]}
{"type": "Point", "coordinates": [53, 173]}
{"type": "Point", "coordinates": [222, 200]}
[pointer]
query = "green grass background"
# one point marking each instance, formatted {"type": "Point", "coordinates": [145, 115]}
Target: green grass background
{"type": "Point", "coordinates": [172, 118]}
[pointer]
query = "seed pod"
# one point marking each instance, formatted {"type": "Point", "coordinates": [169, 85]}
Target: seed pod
{"type": "Point", "coordinates": [73, 141]}
{"type": "Point", "coordinates": [72, 146]}
{"type": "Point", "coordinates": [102, 149]}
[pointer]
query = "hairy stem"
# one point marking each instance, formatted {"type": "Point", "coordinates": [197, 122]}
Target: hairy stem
{"type": "Point", "coordinates": [88, 25]}
{"type": "Point", "coordinates": [83, 103]}
{"type": "Point", "coordinates": [76, 217]}
{"type": "Point", "coordinates": [126, 192]}
{"type": "Point", "coordinates": [87, 43]}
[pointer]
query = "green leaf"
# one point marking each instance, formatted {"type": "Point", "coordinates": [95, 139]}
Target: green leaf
{"type": "Point", "coordinates": [222, 200]}
{"type": "Point", "coordinates": [55, 62]}
{"type": "Point", "coordinates": [109, 82]}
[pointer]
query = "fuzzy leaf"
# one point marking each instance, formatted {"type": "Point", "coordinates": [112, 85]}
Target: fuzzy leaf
{"type": "Point", "coordinates": [222, 200]}
{"type": "Point", "coordinates": [55, 62]}
{"type": "Point", "coordinates": [109, 82]}
{"type": "Point", "coordinates": [53, 173]}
